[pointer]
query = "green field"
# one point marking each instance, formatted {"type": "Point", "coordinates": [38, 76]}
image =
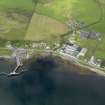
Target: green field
{"type": "Point", "coordinates": [64, 10]}
{"type": "Point", "coordinates": [19, 4]}
{"type": "Point", "coordinates": [14, 18]}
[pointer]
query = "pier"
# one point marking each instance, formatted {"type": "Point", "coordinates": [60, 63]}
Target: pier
{"type": "Point", "coordinates": [18, 65]}
{"type": "Point", "coordinates": [18, 54]}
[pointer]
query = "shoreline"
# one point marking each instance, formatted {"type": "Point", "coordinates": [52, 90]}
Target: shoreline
{"type": "Point", "coordinates": [84, 66]}
{"type": "Point", "coordinates": [43, 54]}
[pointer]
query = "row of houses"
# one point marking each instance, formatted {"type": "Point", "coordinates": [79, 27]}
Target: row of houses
{"type": "Point", "coordinates": [74, 25]}
{"type": "Point", "coordinates": [95, 36]}
{"type": "Point", "coordinates": [22, 53]}
{"type": "Point", "coordinates": [41, 45]}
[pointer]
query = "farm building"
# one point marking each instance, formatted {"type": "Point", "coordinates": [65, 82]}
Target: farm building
{"type": "Point", "coordinates": [90, 35]}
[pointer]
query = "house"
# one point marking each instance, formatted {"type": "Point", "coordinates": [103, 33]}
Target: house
{"type": "Point", "coordinates": [94, 35]}
{"type": "Point", "coordinates": [94, 62]}
{"type": "Point", "coordinates": [84, 34]}
{"type": "Point", "coordinates": [83, 51]}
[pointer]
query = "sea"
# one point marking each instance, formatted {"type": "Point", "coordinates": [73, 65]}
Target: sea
{"type": "Point", "coordinates": [51, 81]}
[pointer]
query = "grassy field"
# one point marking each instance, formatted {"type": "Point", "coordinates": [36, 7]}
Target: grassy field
{"type": "Point", "coordinates": [12, 26]}
{"type": "Point", "coordinates": [45, 28]}
{"type": "Point", "coordinates": [4, 52]}
{"type": "Point", "coordinates": [14, 18]}
{"type": "Point", "coordinates": [102, 1]}
{"type": "Point", "coordinates": [19, 4]}
{"type": "Point", "coordinates": [64, 10]}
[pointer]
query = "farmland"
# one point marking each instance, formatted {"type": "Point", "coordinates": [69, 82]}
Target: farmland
{"type": "Point", "coordinates": [46, 21]}
{"type": "Point", "coordinates": [61, 11]}
{"type": "Point", "coordinates": [95, 47]}
{"type": "Point", "coordinates": [14, 18]}
{"type": "Point", "coordinates": [45, 28]}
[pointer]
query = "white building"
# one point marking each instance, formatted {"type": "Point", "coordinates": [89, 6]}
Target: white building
{"type": "Point", "coordinates": [70, 50]}
{"type": "Point", "coordinates": [82, 52]}
{"type": "Point", "coordinates": [94, 62]}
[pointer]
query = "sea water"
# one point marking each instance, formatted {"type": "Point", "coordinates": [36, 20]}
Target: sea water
{"type": "Point", "coordinates": [49, 82]}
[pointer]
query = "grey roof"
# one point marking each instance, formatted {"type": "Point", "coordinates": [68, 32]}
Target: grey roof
{"type": "Point", "coordinates": [90, 35]}
{"type": "Point", "coordinates": [94, 35]}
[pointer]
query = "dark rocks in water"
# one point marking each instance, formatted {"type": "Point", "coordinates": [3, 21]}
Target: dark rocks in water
{"type": "Point", "coordinates": [49, 82]}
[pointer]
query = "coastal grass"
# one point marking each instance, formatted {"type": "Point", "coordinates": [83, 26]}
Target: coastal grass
{"type": "Point", "coordinates": [5, 52]}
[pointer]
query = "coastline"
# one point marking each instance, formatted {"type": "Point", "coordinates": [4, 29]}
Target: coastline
{"type": "Point", "coordinates": [85, 68]}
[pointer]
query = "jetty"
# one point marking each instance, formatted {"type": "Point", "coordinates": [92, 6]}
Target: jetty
{"type": "Point", "coordinates": [18, 54]}
{"type": "Point", "coordinates": [18, 65]}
